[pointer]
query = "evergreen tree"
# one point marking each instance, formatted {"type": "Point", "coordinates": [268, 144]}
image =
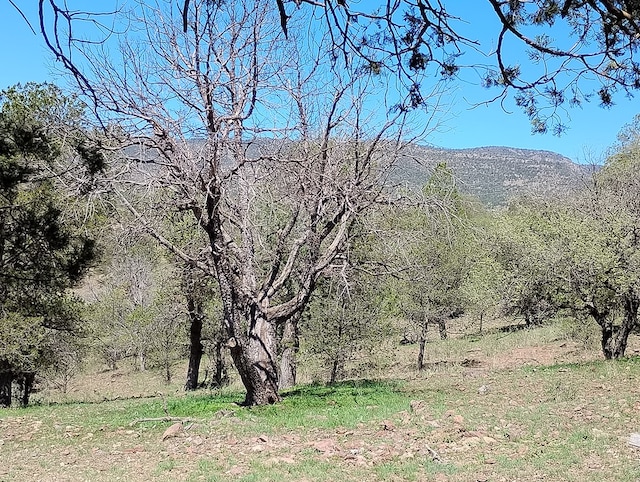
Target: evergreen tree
{"type": "Point", "coordinates": [42, 250]}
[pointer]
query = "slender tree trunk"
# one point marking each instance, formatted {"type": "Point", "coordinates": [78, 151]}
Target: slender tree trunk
{"type": "Point", "coordinates": [290, 344]}
{"type": "Point", "coordinates": [6, 381]}
{"type": "Point", "coordinates": [335, 371]}
{"type": "Point", "coordinates": [26, 386]}
{"type": "Point", "coordinates": [422, 341]}
{"type": "Point", "coordinates": [338, 362]}
{"type": "Point", "coordinates": [255, 357]}
{"type": "Point", "coordinates": [195, 343]}
{"type": "Point", "coordinates": [442, 327]}
{"type": "Point", "coordinates": [220, 377]}
{"type": "Point", "coordinates": [142, 360]}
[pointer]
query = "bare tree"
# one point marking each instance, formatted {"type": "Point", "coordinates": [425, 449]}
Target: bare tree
{"type": "Point", "coordinates": [273, 151]}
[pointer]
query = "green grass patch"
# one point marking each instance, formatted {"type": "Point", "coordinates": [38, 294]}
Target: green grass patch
{"type": "Point", "coordinates": [345, 404]}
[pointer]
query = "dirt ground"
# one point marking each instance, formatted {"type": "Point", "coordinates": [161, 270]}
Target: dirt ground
{"type": "Point", "coordinates": [441, 435]}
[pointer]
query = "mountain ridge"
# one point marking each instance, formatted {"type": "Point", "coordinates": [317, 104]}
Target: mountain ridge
{"type": "Point", "coordinates": [495, 174]}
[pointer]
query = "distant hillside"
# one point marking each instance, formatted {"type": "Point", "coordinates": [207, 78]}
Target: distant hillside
{"type": "Point", "coordinates": [494, 175]}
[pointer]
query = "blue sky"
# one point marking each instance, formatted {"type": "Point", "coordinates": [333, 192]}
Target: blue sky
{"type": "Point", "coordinates": [592, 129]}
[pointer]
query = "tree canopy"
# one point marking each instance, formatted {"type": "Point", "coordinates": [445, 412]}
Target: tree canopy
{"type": "Point", "coordinates": [42, 251]}
{"type": "Point", "coordinates": [550, 54]}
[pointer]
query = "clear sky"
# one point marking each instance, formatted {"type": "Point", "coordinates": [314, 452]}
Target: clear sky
{"type": "Point", "coordinates": [592, 129]}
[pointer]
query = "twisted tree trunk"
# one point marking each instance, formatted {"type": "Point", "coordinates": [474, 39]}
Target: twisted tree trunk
{"type": "Point", "coordinates": [255, 357]}
{"type": "Point", "coordinates": [614, 338]}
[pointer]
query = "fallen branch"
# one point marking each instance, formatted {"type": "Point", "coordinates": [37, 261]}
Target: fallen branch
{"type": "Point", "coordinates": [160, 419]}
{"type": "Point", "coordinates": [434, 454]}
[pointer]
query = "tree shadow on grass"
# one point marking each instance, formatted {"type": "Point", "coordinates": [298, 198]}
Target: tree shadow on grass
{"type": "Point", "coordinates": [342, 388]}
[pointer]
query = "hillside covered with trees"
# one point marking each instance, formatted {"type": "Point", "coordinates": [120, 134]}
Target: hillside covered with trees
{"type": "Point", "coordinates": [497, 175]}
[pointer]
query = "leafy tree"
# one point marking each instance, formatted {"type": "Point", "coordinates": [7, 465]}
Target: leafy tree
{"type": "Point", "coordinates": [138, 310]}
{"type": "Point", "coordinates": [43, 251]}
{"type": "Point", "coordinates": [482, 286]}
{"type": "Point", "coordinates": [521, 247]}
{"type": "Point", "coordinates": [605, 274]}
{"type": "Point", "coordinates": [582, 254]}
{"type": "Point", "coordinates": [345, 328]}
{"type": "Point", "coordinates": [428, 246]}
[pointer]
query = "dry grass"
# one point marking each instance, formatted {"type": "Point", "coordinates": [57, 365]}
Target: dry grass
{"type": "Point", "coordinates": [522, 405]}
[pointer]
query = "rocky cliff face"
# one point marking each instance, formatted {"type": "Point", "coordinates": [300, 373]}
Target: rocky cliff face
{"type": "Point", "coordinates": [495, 175]}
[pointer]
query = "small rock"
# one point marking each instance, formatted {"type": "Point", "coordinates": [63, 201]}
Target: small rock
{"type": "Point", "coordinates": [324, 446]}
{"type": "Point", "coordinates": [235, 470]}
{"type": "Point", "coordinates": [133, 450]}
{"type": "Point", "coordinates": [172, 431]}
{"type": "Point", "coordinates": [388, 425]}
{"type": "Point", "coordinates": [197, 441]}
{"type": "Point", "coordinates": [634, 440]}
{"type": "Point", "coordinates": [458, 419]}
{"type": "Point", "coordinates": [483, 389]}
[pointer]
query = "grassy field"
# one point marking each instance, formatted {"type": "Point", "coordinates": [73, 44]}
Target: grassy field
{"type": "Point", "coordinates": [516, 406]}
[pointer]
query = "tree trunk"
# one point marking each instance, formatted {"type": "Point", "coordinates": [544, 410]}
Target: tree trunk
{"type": "Point", "coordinates": [6, 381]}
{"type": "Point", "coordinates": [253, 350]}
{"type": "Point", "coordinates": [142, 360]}
{"type": "Point", "coordinates": [25, 384]}
{"type": "Point", "coordinates": [421, 343]}
{"type": "Point", "coordinates": [195, 343]}
{"type": "Point", "coordinates": [442, 327]}
{"type": "Point", "coordinates": [336, 368]}
{"type": "Point", "coordinates": [220, 377]}
{"type": "Point", "coordinates": [290, 344]}
{"type": "Point", "coordinates": [255, 357]}
{"type": "Point", "coordinates": [607, 340]}
{"type": "Point", "coordinates": [614, 338]}
{"type": "Point", "coordinates": [338, 363]}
